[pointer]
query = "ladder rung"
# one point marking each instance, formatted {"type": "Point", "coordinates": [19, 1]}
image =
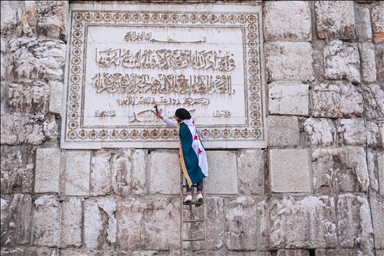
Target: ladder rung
{"type": "Point", "coordinates": [189, 221]}
{"type": "Point", "coordinates": [191, 240]}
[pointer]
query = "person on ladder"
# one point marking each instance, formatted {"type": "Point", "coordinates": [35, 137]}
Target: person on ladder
{"type": "Point", "coordinates": [191, 152]}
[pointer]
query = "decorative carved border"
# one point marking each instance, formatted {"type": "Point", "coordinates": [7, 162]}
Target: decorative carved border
{"type": "Point", "coordinates": [253, 87]}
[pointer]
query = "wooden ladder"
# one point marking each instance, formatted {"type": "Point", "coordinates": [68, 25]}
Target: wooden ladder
{"type": "Point", "coordinates": [196, 221]}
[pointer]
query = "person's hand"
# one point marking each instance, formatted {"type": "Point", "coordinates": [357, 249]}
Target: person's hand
{"type": "Point", "coordinates": [158, 114]}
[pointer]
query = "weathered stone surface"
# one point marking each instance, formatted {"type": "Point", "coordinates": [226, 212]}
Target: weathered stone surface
{"type": "Point", "coordinates": [378, 22]}
{"type": "Point", "coordinates": [240, 232]}
{"type": "Point", "coordinates": [47, 172]}
{"type": "Point", "coordinates": [379, 50]}
{"type": "Point", "coordinates": [308, 223]}
{"type": "Point", "coordinates": [165, 172]}
{"type": "Point", "coordinates": [45, 228]}
{"type": "Point", "coordinates": [149, 224]}
{"type": "Point", "coordinates": [18, 18]}
{"type": "Point", "coordinates": [263, 224]}
{"type": "Point", "coordinates": [321, 132]}
{"type": "Point", "coordinates": [36, 59]}
{"type": "Point", "coordinates": [289, 170]}
{"type": "Point", "coordinates": [368, 63]}
{"type": "Point", "coordinates": [52, 19]}
{"type": "Point", "coordinates": [251, 172]}
{"type": "Point", "coordinates": [77, 170]}
{"type": "Point", "coordinates": [215, 222]}
{"type": "Point", "coordinates": [55, 97]}
{"type": "Point", "coordinates": [373, 173]}
{"type": "Point", "coordinates": [16, 130]}
{"type": "Point", "coordinates": [293, 253]}
{"type": "Point", "coordinates": [288, 98]}
{"type": "Point", "coordinates": [351, 132]}
{"type": "Point", "coordinates": [354, 223]}
{"type": "Point", "coordinates": [338, 252]}
{"type": "Point", "coordinates": [3, 49]}
{"type": "Point", "coordinates": [20, 211]}
{"type": "Point", "coordinates": [222, 174]}
{"type": "Point", "coordinates": [380, 166]}
{"type": "Point", "coordinates": [17, 164]}
{"type": "Point", "coordinates": [342, 61]}
{"type": "Point", "coordinates": [121, 166]}
{"type": "Point", "coordinates": [377, 208]}
{"type": "Point", "coordinates": [139, 174]}
{"type": "Point", "coordinates": [4, 207]}
{"type": "Point", "coordinates": [100, 173]}
{"type": "Point", "coordinates": [373, 134]}
{"type": "Point", "coordinates": [374, 101]}
{"type": "Point", "coordinates": [100, 223]}
{"type": "Point", "coordinates": [335, 19]}
{"type": "Point", "coordinates": [71, 223]}
{"type": "Point", "coordinates": [287, 21]}
{"type": "Point", "coordinates": [283, 131]}
{"type": "Point", "coordinates": [339, 170]}
{"type": "Point", "coordinates": [364, 26]}
{"type": "Point", "coordinates": [289, 61]}
{"type": "Point", "coordinates": [336, 100]}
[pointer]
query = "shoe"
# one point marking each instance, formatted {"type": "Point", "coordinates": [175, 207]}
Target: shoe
{"type": "Point", "coordinates": [188, 199]}
{"type": "Point", "coordinates": [199, 198]}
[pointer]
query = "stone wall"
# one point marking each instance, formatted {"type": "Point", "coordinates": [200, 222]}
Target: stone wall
{"type": "Point", "coordinates": [318, 189]}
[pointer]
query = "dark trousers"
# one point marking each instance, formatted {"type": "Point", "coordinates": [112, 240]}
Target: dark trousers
{"type": "Point", "coordinates": [200, 186]}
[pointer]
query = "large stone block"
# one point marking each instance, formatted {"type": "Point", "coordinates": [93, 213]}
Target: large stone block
{"type": "Point", "coordinates": [340, 170]}
{"type": "Point", "coordinates": [16, 130]}
{"type": "Point", "coordinates": [374, 101]}
{"type": "Point", "coordinates": [46, 221]}
{"type": "Point", "coordinates": [77, 170]}
{"type": "Point", "coordinates": [215, 222]}
{"type": "Point", "coordinates": [47, 173]}
{"type": "Point", "coordinates": [351, 132]}
{"type": "Point", "coordinates": [18, 18]}
{"type": "Point", "coordinates": [100, 223]}
{"type": "Point", "coordinates": [354, 223]}
{"type": "Point", "coordinates": [20, 211]}
{"type": "Point", "coordinates": [251, 172]}
{"type": "Point", "coordinates": [288, 98]}
{"type": "Point", "coordinates": [377, 208]}
{"type": "Point", "coordinates": [52, 19]}
{"type": "Point", "coordinates": [139, 173]}
{"type": "Point", "coordinates": [378, 22]}
{"type": "Point", "coordinates": [283, 131]}
{"type": "Point", "coordinates": [342, 61]}
{"type": "Point", "coordinates": [222, 173]}
{"type": "Point", "coordinates": [289, 61]}
{"type": "Point", "coordinates": [379, 51]}
{"type": "Point", "coordinates": [36, 59]}
{"type": "Point", "coordinates": [287, 21]}
{"type": "Point", "coordinates": [55, 97]}
{"type": "Point", "coordinates": [100, 173]}
{"type": "Point", "coordinates": [308, 223]}
{"type": "Point", "coordinates": [338, 252]}
{"type": "Point", "coordinates": [240, 233]}
{"type": "Point", "coordinates": [121, 167]}
{"type": "Point", "coordinates": [335, 19]}
{"type": "Point", "coordinates": [71, 223]}
{"type": "Point", "coordinates": [3, 49]}
{"type": "Point", "coordinates": [337, 100]}
{"type": "Point", "coordinates": [380, 168]}
{"type": "Point", "coordinates": [368, 63]}
{"type": "Point", "coordinates": [4, 210]}
{"type": "Point", "coordinates": [293, 253]}
{"type": "Point", "coordinates": [149, 224]}
{"type": "Point", "coordinates": [321, 132]}
{"type": "Point", "coordinates": [165, 171]}
{"type": "Point", "coordinates": [364, 26]}
{"type": "Point", "coordinates": [289, 170]}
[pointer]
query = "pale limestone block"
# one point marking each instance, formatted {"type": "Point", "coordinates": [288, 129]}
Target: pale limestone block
{"type": "Point", "coordinates": [336, 100]}
{"type": "Point", "coordinates": [377, 207]}
{"type": "Point", "coordinates": [308, 223]}
{"type": "Point", "coordinates": [28, 18]}
{"type": "Point", "coordinates": [4, 207]}
{"type": "Point", "coordinates": [222, 173]}
{"type": "Point", "coordinates": [13, 251]}
{"type": "Point", "coordinates": [47, 173]}
{"type": "Point", "coordinates": [263, 224]}
{"type": "Point", "coordinates": [289, 61]}
{"type": "Point", "coordinates": [11, 12]}
{"type": "Point", "coordinates": [339, 252]}
{"type": "Point", "coordinates": [381, 135]}
{"type": "Point", "coordinates": [340, 170]}
{"type": "Point", "coordinates": [77, 170]}
{"type": "Point", "coordinates": [379, 252]}
{"type": "Point", "coordinates": [321, 132]}
{"type": "Point", "coordinates": [351, 132]}
{"type": "Point", "coordinates": [287, 21]}
{"type": "Point", "coordinates": [164, 172]}
{"type": "Point", "coordinates": [139, 173]}
{"type": "Point", "coordinates": [379, 50]}
{"type": "Point", "coordinates": [251, 172]}
{"type": "Point", "coordinates": [354, 222]}
{"type": "Point", "coordinates": [335, 19]}
{"type": "Point", "coordinates": [100, 173]}
{"type": "Point", "coordinates": [42, 251]}
{"type": "Point", "coordinates": [283, 131]}
{"type": "Point", "coordinates": [342, 61]}
{"type": "Point", "coordinates": [371, 165]}
{"type": "Point", "coordinates": [121, 167]}
{"type": "Point", "coordinates": [372, 134]}
{"type": "Point", "coordinates": [45, 228]}
{"type": "Point", "coordinates": [380, 168]}
{"type": "Point", "coordinates": [292, 253]}
{"type": "Point", "coordinates": [240, 233]}
{"type": "Point", "coordinates": [100, 224]}
{"type": "Point", "coordinates": [50, 128]}
{"type": "Point", "coordinates": [20, 211]}
{"type": "Point", "coordinates": [71, 223]}
{"type": "Point", "coordinates": [378, 22]}
{"type": "Point", "coordinates": [368, 63]}
{"type": "Point", "coordinates": [52, 18]}
{"type": "Point", "coordinates": [374, 101]}
{"type": "Point", "coordinates": [3, 50]}
{"type": "Point", "coordinates": [289, 170]}
{"type": "Point", "coordinates": [36, 59]}
{"type": "Point", "coordinates": [363, 26]}
{"type": "Point", "coordinates": [288, 98]}
{"type": "Point", "coordinates": [55, 97]}
{"type": "Point", "coordinates": [215, 222]}
{"type": "Point", "coordinates": [139, 225]}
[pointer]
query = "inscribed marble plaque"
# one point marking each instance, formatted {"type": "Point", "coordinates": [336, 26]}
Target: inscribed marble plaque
{"type": "Point", "coordinates": [125, 59]}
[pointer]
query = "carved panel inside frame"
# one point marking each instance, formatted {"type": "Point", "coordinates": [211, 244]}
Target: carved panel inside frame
{"type": "Point", "coordinates": [121, 63]}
